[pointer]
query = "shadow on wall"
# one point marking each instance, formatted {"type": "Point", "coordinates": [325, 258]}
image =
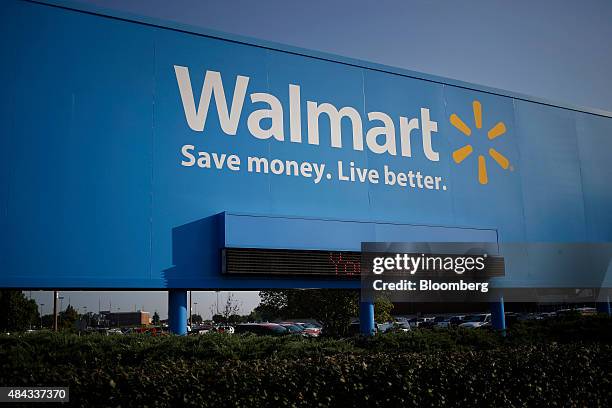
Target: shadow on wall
{"type": "Point", "coordinates": [196, 253]}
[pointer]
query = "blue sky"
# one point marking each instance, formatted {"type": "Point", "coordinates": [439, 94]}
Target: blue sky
{"type": "Point", "coordinates": [556, 49]}
{"type": "Point", "coordinates": [560, 50]}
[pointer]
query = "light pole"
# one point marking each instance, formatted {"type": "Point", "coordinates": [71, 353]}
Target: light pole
{"type": "Point", "coordinates": [196, 307]}
{"type": "Point", "coordinates": [217, 302]}
{"type": "Point", "coordinates": [41, 306]}
{"type": "Point", "coordinates": [55, 297]}
{"type": "Point", "coordinates": [61, 299]}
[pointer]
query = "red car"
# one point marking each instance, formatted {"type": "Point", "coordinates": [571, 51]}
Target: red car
{"type": "Point", "coordinates": [310, 329]}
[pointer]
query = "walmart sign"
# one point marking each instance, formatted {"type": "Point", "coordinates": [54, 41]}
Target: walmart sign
{"type": "Point", "coordinates": [380, 139]}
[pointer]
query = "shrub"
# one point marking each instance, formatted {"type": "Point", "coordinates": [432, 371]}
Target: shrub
{"type": "Point", "coordinates": [553, 363]}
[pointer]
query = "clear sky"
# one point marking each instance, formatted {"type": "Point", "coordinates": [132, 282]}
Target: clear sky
{"type": "Point", "coordinates": [556, 49]}
{"type": "Point", "coordinates": [204, 303]}
{"type": "Point", "coordinates": [560, 50]}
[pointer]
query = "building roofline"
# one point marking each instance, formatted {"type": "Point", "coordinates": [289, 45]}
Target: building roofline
{"type": "Point", "coordinates": [189, 29]}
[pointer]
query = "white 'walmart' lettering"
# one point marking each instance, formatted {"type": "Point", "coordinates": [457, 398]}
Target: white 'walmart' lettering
{"type": "Point", "coordinates": [379, 139]}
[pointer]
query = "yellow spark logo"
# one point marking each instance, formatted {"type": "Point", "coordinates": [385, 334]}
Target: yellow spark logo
{"type": "Point", "coordinates": [462, 153]}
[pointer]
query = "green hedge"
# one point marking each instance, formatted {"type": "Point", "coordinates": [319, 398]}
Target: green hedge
{"type": "Point", "coordinates": [535, 375]}
{"type": "Point", "coordinates": [551, 363]}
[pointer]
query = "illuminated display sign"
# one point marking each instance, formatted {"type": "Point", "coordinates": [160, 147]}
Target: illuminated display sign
{"type": "Point", "coordinates": [348, 264]}
{"type": "Point", "coordinates": [278, 262]}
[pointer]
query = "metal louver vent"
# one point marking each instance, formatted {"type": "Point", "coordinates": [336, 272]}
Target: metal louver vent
{"type": "Point", "coordinates": [283, 262]}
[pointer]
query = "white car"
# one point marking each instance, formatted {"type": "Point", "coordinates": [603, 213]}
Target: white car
{"type": "Point", "coordinates": [402, 327]}
{"type": "Point", "coordinates": [383, 327]}
{"type": "Point", "coordinates": [476, 321]}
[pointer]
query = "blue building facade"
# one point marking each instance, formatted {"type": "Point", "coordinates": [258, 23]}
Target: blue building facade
{"type": "Point", "coordinates": [133, 150]}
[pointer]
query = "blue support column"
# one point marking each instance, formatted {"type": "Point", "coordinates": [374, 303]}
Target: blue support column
{"type": "Point", "coordinates": [604, 307]}
{"type": "Point", "coordinates": [366, 318]}
{"type": "Point", "coordinates": [177, 311]}
{"type": "Point", "coordinates": [498, 318]}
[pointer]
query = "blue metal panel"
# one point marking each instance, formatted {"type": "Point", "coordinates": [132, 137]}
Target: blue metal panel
{"type": "Point", "coordinates": [497, 204]}
{"type": "Point", "coordinates": [80, 157]}
{"type": "Point", "coordinates": [184, 197]}
{"type": "Point", "coordinates": [256, 231]}
{"type": "Point", "coordinates": [321, 82]}
{"type": "Point", "coordinates": [552, 188]}
{"type": "Point", "coordinates": [7, 71]}
{"type": "Point", "coordinates": [387, 232]}
{"type": "Point", "coordinates": [398, 96]}
{"type": "Point", "coordinates": [246, 231]}
{"type": "Point", "coordinates": [594, 146]}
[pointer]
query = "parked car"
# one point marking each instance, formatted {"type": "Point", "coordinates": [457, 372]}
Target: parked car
{"type": "Point", "coordinates": [586, 311]}
{"type": "Point", "coordinates": [402, 326]}
{"type": "Point", "coordinates": [529, 316]}
{"type": "Point", "coordinates": [449, 322]}
{"type": "Point", "coordinates": [476, 321]}
{"type": "Point", "coordinates": [149, 331]}
{"type": "Point", "coordinates": [202, 329]}
{"type": "Point", "coordinates": [416, 321]}
{"type": "Point", "coordinates": [384, 327]}
{"type": "Point", "coordinates": [261, 329]}
{"type": "Point", "coordinates": [430, 322]}
{"type": "Point", "coordinates": [312, 329]}
{"type": "Point", "coordinates": [225, 329]}
{"type": "Point", "coordinates": [566, 312]}
{"type": "Point", "coordinates": [294, 329]}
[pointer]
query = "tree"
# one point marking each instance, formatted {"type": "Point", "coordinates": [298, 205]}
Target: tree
{"type": "Point", "coordinates": [16, 311]}
{"type": "Point", "coordinates": [196, 319]}
{"type": "Point", "coordinates": [47, 321]}
{"type": "Point", "coordinates": [235, 319]}
{"type": "Point", "coordinates": [273, 304]}
{"type": "Point", "coordinates": [254, 316]}
{"type": "Point", "coordinates": [332, 307]}
{"type": "Point", "coordinates": [68, 317]}
{"type": "Point", "coordinates": [382, 310]}
{"type": "Point", "coordinates": [155, 319]}
{"type": "Point", "coordinates": [230, 308]}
